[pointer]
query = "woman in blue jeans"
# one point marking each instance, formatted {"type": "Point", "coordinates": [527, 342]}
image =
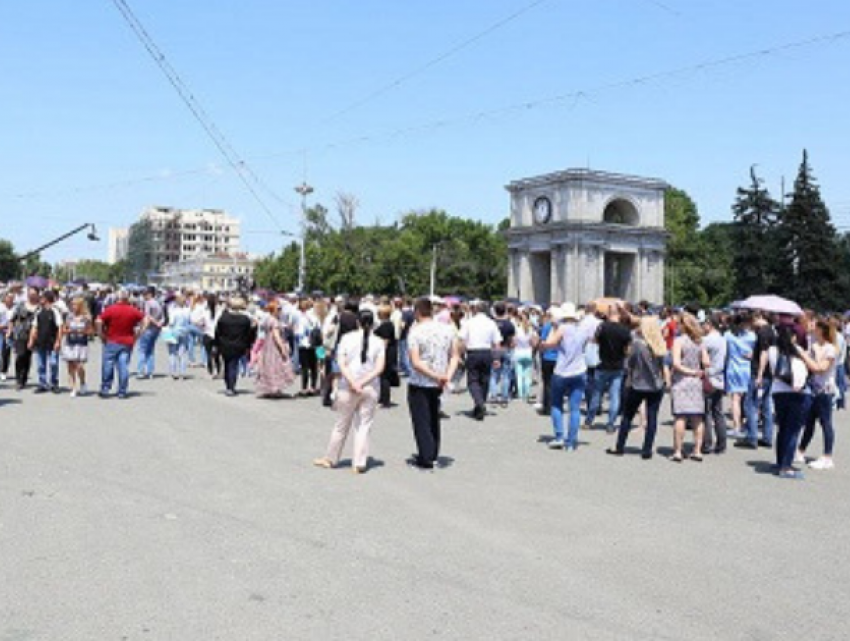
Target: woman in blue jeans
{"type": "Point", "coordinates": [569, 378]}
{"type": "Point", "coordinates": [821, 361]}
{"type": "Point", "coordinates": [788, 398]}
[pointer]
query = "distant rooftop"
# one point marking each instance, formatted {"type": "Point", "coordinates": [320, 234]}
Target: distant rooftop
{"type": "Point", "coordinates": [587, 175]}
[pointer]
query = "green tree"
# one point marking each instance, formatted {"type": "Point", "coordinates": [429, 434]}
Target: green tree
{"type": "Point", "coordinates": [91, 270]}
{"type": "Point", "coordinates": [393, 259]}
{"type": "Point", "coordinates": [34, 266]}
{"type": "Point", "coordinates": [118, 272]}
{"type": "Point", "coordinates": [755, 214]}
{"type": "Point", "coordinates": [10, 268]}
{"type": "Point", "coordinates": [699, 263]}
{"type": "Point", "coordinates": [718, 276]}
{"type": "Point", "coordinates": [684, 251]}
{"type": "Point", "coordinates": [808, 246]}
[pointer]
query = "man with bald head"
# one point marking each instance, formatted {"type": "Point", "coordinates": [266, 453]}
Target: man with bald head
{"type": "Point", "coordinates": [118, 326]}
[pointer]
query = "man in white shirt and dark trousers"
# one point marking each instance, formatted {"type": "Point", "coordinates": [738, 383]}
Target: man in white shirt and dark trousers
{"type": "Point", "coordinates": [480, 336]}
{"type": "Point", "coordinates": [434, 359]}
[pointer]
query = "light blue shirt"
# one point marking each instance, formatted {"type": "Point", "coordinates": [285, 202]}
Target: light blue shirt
{"type": "Point", "coordinates": [571, 361]}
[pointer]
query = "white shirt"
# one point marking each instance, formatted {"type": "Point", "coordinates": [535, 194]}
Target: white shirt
{"type": "Point", "coordinates": [480, 332]}
{"type": "Point", "coordinates": [61, 307]}
{"type": "Point", "coordinates": [798, 369]}
{"type": "Point", "coordinates": [260, 317]}
{"type": "Point", "coordinates": [397, 322]}
{"type": "Point", "coordinates": [522, 342]}
{"type": "Point", "coordinates": [199, 315]}
{"type": "Point", "coordinates": [210, 322]}
{"type": "Point", "coordinates": [350, 352]}
{"type": "Point", "coordinates": [4, 315]}
{"type": "Point", "coordinates": [825, 381]}
{"type": "Point", "coordinates": [303, 324]}
{"type": "Point", "coordinates": [330, 329]}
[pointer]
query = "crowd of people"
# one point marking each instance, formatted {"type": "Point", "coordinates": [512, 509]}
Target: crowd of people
{"type": "Point", "coordinates": [764, 371]}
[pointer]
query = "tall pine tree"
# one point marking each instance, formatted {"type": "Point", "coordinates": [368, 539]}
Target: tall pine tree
{"type": "Point", "coordinates": [809, 257]}
{"type": "Point", "coordinates": [755, 214]}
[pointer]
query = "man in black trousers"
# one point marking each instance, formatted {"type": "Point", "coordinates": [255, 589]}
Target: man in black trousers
{"type": "Point", "coordinates": [433, 360]}
{"type": "Point", "coordinates": [479, 336]}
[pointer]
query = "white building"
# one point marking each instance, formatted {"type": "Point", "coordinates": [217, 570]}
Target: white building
{"type": "Point", "coordinates": [179, 234]}
{"type": "Point", "coordinates": [212, 273]}
{"type": "Point", "coordinates": [119, 239]}
{"type": "Point", "coordinates": [578, 235]}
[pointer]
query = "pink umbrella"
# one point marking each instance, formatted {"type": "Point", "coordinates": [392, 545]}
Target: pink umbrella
{"type": "Point", "coordinates": [772, 304]}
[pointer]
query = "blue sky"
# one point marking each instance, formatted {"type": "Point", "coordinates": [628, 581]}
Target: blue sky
{"type": "Point", "coordinates": [92, 132]}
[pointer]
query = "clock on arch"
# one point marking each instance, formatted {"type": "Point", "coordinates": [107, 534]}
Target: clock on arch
{"type": "Point", "coordinates": [542, 210]}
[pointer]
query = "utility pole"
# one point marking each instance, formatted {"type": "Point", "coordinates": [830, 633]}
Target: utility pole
{"type": "Point", "coordinates": [433, 267]}
{"type": "Point", "coordinates": [304, 190]}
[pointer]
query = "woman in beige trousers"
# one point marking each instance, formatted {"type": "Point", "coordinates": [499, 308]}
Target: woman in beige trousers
{"type": "Point", "coordinates": [360, 358]}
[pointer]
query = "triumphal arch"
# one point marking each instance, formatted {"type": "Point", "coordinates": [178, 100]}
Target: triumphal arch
{"type": "Point", "coordinates": [579, 234]}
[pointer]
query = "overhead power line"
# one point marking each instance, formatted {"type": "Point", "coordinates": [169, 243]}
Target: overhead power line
{"type": "Point", "coordinates": [236, 163]}
{"type": "Point", "coordinates": [572, 98]}
{"type": "Point", "coordinates": [664, 7]}
{"type": "Point", "coordinates": [435, 61]}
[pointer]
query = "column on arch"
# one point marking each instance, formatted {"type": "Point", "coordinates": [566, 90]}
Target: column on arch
{"type": "Point", "coordinates": [557, 289]}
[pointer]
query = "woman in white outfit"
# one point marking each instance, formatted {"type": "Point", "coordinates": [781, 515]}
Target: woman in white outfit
{"type": "Point", "coordinates": [361, 357]}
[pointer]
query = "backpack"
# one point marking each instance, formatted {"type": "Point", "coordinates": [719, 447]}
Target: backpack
{"type": "Point", "coordinates": [784, 371]}
{"type": "Point", "coordinates": [316, 337]}
{"type": "Point", "coordinates": [23, 323]}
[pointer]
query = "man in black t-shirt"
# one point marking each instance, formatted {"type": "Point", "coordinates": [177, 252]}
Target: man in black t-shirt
{"type": "Point", "coordinates": [758, 400]}
{"type": "Point", "coordinates": [45, 338]}
{"type": "Point", "coordinates": [613, 338]}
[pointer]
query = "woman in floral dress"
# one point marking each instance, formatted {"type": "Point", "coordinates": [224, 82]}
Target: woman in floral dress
{"type": "Point", "coordinates": [690, 361]}
{"type": "Point", "coordinates": [274, 366]}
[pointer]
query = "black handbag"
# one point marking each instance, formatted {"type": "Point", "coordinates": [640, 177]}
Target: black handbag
{"type": "Point", "coordinates": [783, 370]}
{"type": "Point", "coordinates": [76, 340]}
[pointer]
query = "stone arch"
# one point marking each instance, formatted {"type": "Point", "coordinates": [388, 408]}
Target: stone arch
{"type": "Point", "coordinates": [621, 211]}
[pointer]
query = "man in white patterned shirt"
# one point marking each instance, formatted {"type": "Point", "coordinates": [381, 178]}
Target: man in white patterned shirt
{"type": "Point", "coordinates": [434, 358]}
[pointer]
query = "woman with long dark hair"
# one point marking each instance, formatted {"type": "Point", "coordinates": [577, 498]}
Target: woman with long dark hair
{"type": "Point", "coordinates": [789, 379]}
{"type": "Point", "coordinates": [211, 314]}
{"type": "Point", "coordinates": [361, 357]}
{"type": "Point", "coordinates": [389, 377]}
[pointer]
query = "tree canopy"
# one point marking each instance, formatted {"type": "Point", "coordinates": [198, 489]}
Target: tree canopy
{"type": "Point", "coordinates": [471, 257]}
{"type": "Point", "coordinates": [699, 266]}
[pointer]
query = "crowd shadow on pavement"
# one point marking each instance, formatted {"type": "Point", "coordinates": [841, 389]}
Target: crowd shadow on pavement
{"type": "Point", "coordinates": [762, 467]}
{"type": "Point", "coordinates": [373, 464]}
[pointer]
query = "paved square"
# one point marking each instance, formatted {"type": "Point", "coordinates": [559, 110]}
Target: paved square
{"type": "Point", "coordinates": [182, 514]}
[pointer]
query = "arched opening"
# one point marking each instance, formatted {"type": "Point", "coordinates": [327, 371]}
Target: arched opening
{"type": "Point", "coordinates": [621, 212]}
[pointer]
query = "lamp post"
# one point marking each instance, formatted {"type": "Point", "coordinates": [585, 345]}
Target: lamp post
{"type": "Point", "coordinates": [92, 236]}
{"type": "Point", "coordinates": [303, 190]}
{"type": "Point", "coordinates": [434, 249]}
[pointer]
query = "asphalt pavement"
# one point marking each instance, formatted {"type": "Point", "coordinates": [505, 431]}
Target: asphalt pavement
{"type": "Point", "coordinates": [179, 513]}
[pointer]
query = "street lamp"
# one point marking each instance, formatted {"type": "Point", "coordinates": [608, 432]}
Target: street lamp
{"type": "Point", "coordinates": [303, 190]}
{"type": "Point", "coordinates": [92, 236]}
{"type": "Point", "coordinates": [434, 248]}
